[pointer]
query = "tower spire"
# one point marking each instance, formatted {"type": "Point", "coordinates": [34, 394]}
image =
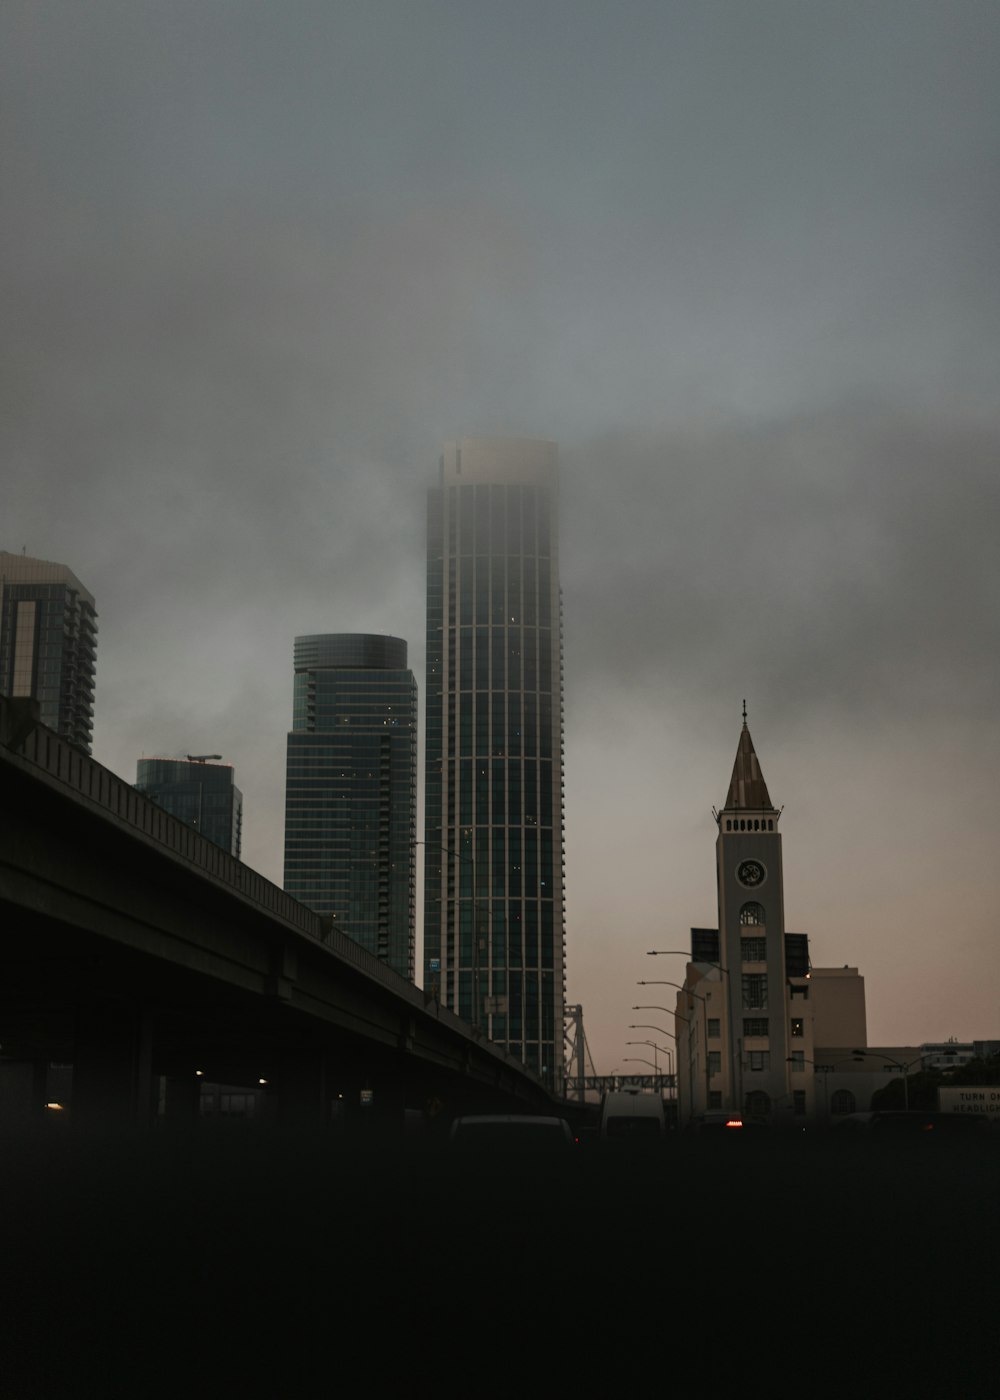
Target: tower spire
{"type": "Point", "coordinates": [747, 788]}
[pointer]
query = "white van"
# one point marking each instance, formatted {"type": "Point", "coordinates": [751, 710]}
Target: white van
{"type": "Point", "coordinates": [632, 1118]}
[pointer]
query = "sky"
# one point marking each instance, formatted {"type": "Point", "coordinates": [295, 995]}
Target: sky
{"type": "Point", "coordinates": [737, 257]}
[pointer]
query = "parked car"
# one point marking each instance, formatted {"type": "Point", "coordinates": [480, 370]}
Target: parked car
{"type": "Point", "coordinates": [894, 1125]}
{"type": "Point", "coordinates": [511, 1132]}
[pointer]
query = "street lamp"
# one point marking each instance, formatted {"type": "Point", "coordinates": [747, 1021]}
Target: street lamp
{"type": "Point", "coordinates": [660, 1029]}
{"type": "Point", "coordinates": [874, 1054]}
{"type": "Point", "coordinates": [680, 987]}
{"type": "Point", "coordinates": [731, 1020]}
{"type": "Point", "coordinates": [685, 953]}
{"type": "Point", "coordinates": [662, 1049]}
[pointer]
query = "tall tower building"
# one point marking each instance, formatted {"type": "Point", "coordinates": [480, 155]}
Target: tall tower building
{"type": "Point", "coordinates": [351, 790]}
{"type": "Point", "coordinates": [202, 793]}
{"type": "Point", "coordinates": [48, 643]}
{"type": "Point", "coordinates": [744, 1028]}
{"type": "Point", "coordinates": [494, 941]}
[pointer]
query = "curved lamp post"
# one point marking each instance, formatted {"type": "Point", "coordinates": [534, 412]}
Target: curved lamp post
{"type": "Point", "coordinates": [657, 1049]}
{"type": "Point", "coordinates": [874, 1054]}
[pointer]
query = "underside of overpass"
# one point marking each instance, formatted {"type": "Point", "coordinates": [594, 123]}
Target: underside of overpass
{"type": "Point", "coordinates": [136, 951]}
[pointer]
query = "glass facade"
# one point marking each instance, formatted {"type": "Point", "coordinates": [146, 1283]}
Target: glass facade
{"type": "Point", "coordinates": [202, 794]}
{"type": "Point", "coordinates": [351, 790]}
{"type": "Point", "coordinates": [48, 643]}
{"type": "Point", "coordinates": [494, 949]}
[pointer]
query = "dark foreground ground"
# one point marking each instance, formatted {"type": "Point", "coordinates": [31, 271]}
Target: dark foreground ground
{"type": "Point", "coordinates": [255, 1263]}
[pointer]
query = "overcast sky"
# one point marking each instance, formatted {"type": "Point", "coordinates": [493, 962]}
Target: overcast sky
{"type": "Point", "coordinates": [739, 259]}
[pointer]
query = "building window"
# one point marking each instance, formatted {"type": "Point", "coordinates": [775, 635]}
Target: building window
{"type": "Point", "coordinates": [713, 1028]}
{"type": "Point", "coordinates": [753, 949]}
{"type": "Point", "coordinates": [753, 914]}
{"type": "Point", "coordinates": [714, 1063]}
{"type": "Point", "coordinates": [798, 1060]}
{"type": "Point", "coordinates": [758, 1059]}
{"type": "Point", "coordinates": [842, 1101]}
{"type": "Point", "coordinates": [797, 1026]}
{"type": "Point", "coordinates": [755, 991]}
{"type": "Point", "coordinates": [715, 1098]}
{"type": "Point", "coordinates": [754, 1025]}
{"type": "Point", "coordinates": [798, 1102]}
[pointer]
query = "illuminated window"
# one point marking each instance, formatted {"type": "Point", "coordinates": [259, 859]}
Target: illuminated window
{"type": "Point", "coordinates": [752, 913]}
{"type": "Point", "coordinates": [797, 1026]}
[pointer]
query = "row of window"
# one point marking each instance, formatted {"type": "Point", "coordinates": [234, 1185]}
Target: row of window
{"type": "Point", "coordinates": [758, 1104]}
{"type": "Point", "coordinates": [499, 518]}
{"type": "Point", "coordinates": [755, 1026]}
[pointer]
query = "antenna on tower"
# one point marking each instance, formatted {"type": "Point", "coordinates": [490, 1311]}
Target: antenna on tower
{"type": "Point", "coordinates": [744, 710]}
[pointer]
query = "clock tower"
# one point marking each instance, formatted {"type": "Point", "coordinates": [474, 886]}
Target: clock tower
{"type": "Point", "coordinates": [752, 1057]}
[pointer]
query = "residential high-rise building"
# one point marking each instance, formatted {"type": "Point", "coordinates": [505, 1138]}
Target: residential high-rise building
{"type": "Point", "coordinates": [494, 939]}
{"type": "Point", "coordinates": [351, 790]}
{"type": "Point", "coordinates": [48, 643]}
{"type": "Point", "coordinates": [198, 791]}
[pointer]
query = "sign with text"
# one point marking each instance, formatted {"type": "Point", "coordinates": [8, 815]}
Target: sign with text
{"type": "Point", "coordinates": [971, 1098]}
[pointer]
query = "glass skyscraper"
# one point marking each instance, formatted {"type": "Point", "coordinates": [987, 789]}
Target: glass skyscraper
{"type": "Point", "coordinates": [494, 942]}
{"type": "Point", "coordinates": [201, 793]}
{"type": "Point", "coordinates": [48, 643]}
{"type": "Point", "coordinates": [351, 790]}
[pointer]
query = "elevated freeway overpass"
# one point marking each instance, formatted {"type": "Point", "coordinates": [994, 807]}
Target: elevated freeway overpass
{"type": "Point", "coordinates": [145, 956]}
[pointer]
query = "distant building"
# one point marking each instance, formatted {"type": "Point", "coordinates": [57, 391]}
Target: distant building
{"type": "Point", "coordinates": [837, 1006]}
{"type": "Point", "coordinates": [494, 935]}
{"type": "Point", "coordinates": [744, 1028]}
{"type": "Point", "coordinates": [351, 790]}
{"type": "Point", "coordinates": [48, 643]}
{"type": "Point", "coordinates": [202, 793]}
{"type": "Point", "coordinates": [759, 1030]}
{"type": "Point", "coordinates": [947, 1054]}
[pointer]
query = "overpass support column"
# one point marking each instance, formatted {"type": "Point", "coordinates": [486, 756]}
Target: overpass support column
{"type": "Point", "coordinates": [23, 1085]}
{"type": "Point", "coordinates": [374, 1100]}
{"type": "Point", "coordinates": [302, 1093]}
{"type": "Point", "coordinates": [112, 1064]}
{"type": "Point", "coordinates": [182, 1100]}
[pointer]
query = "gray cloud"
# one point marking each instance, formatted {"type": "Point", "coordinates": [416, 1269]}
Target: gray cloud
{"type": "Point", "coordinates": [739, 261]}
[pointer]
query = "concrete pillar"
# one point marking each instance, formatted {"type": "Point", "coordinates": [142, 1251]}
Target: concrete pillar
{"type": "Point", "coordinates": [374, 1099]}
{"type": "Point", "coordinates": [182, 1100]}
{"type": "Point", "coordinates": [300, 1095]}
{"type": "Point", "coordinates": [22, 1092]}
{"type": "Point", "coordinates": [112, 1065]}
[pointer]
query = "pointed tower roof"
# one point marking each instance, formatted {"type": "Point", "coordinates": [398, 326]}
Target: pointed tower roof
{"type": "Point", "coordinates": [747, 788]}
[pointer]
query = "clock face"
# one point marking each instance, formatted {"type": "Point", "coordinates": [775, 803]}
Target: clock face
{"type": "Point", "coordinates": [750, 873]}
